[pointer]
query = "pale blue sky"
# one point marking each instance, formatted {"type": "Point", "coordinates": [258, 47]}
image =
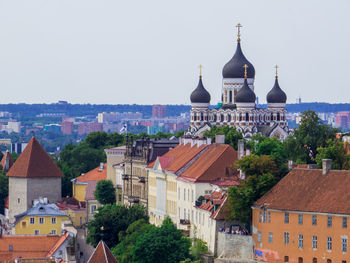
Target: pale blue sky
{"type": "Point", "coordinates": [145, 52]}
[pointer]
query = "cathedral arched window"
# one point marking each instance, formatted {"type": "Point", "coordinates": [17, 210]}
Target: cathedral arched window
{"type": "Point", "coordinates": [214, 117]}
{"type": "Point", "coordinates": [202, 117]}
{"type": "Point", "coordinates": [247, 116]}
{"type": "Point", "coordinates": [240, 117]}
{"type": "Point", "coordinates": [222, 117]}
{"type": "Point", "coordinates": [278, 116]}
{"type": "Point", "coordinates": [229, 116]}
{"type": "Point", "coordinates": [230, 96]}
{"type": "Point", "coordinates": [271, 118]}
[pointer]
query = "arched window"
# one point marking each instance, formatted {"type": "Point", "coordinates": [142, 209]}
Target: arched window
{"type": "Point", "coordinates": [230, 96]}
{"type": "Point", "coordinates": [214, 117]}
{"type": "Point", "coordinates": [202, 117]}
{"type": "Point", "coordinates": [240, 117]}
{"type": "Point", "coordinates": [271, 116]}
{"type": "Point", "coordinates": [247, 116]}
{"type": "Point", "coordinates": [222, 117]}
{"type": "Point", "coordinates": [278, 116]}
{"type": "Point", "coordinates": [229, 117]}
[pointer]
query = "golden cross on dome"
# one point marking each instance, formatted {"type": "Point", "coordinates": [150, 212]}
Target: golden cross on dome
{"type": "Point", "coordinates": [276, 67]}
{"type": "Point", "coordinates": [239, 32]}
{"type": "Point", "coordinates": [200, 70]}
{"type": "Point", "coordinates": [245, 70]}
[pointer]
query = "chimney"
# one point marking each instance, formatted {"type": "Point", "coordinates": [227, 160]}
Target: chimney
{"type": "Point", "coordinates": [240, 148]}
{"type": "Point", "coordinates": [290, 164]}
{"type": "Point", "coordinates": [326, 165]}
{"type": "Point", "coordinates": [220, 138]}
{"type": "Point", "coordinates": [101, 167]}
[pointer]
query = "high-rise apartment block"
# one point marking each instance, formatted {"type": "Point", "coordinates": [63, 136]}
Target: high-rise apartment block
{"type": "Point", "coordinates": [159, 111]}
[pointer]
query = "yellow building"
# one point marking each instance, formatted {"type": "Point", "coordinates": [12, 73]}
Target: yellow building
{"type": "Point", "coordinates": [41, 219]}
{"type": "Point", "coordinates": [74, 209]}
{"type": "Point", "coordinates": [80, 183]}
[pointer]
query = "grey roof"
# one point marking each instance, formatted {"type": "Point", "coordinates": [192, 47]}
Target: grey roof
{"type": "Point", "coordinates": [41, 209]}
{"type": "Point", "coordinates": [234, 68]}
{"type": "Point", "coordinates": [90, 189]}
{"type": "Point", "coordinates": [200, 94]}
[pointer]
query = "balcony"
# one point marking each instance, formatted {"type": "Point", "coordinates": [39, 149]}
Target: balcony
{"type": "Point", "coordinates": [133, 199]}
{"type": "Point", "coordinates": [185, 222]}
{"type": "Point", "coordinates": [125, 177]}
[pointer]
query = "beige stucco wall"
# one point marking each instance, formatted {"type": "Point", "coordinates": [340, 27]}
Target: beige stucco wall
{"type": "Point", "coordinates": [29, 189]}
{"type": "Point", "coordinates": [113, 157]}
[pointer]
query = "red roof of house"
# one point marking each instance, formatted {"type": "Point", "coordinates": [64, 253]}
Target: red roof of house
{"type": "Point", "coordinates": [102, 254]}
{"type": "Point", "coordinates": [308, 190]}
{"type": "Point", "coordinates": [90, 189]}
{"type": "Point", "coordinates": [216, 198]}
{"type": "Point", "coordinates": [6, 155]}
{"type": "Point", "coordinates": [34, 162]}
{"type": "Point", "coordinates": [212, 164]}
{"type": "Point", "coordinates": [26, 246]}
{"type": "Point", "coordinates": [59, 243]}
{"type": "Point", "coordinates": [96, 174]}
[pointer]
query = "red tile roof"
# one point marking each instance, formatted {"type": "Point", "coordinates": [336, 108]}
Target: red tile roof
{"type": "Point", "coordinates": [308, 190]}
{"type": "Point", "coordinates": [34, 162]}
{"type": "Point", "coordinates": [102, 254]}
{"type": "Point", "coordinates": [59, 243]}
{"type": "Point", "coordinates": [26, 246]}
{"type": "Point", "coordinates": [212, 165]}
{"type": "Point", "coordinates": [165, 161]}
{"type": "Point", "coordinates": [6, 155]}
{"type": "Point", "coordinates": [94, 175]}
{"type": "Point", "coordinates": [219, 199]}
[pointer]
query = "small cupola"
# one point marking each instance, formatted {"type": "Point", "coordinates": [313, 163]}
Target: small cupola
{"type": "Point", "coordinates": [276, 94]}
{"type": "Point", "coordinates": [200, 94]}
{"type": "Point", "coordinates": [245, 94]}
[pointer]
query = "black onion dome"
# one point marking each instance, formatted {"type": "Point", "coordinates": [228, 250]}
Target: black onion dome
{"type": "Point", "coordinates": [200, 94]}
{"type": "Point", "coordinates": [234, 68]}
{"type": "Point", "coordinates": [245, 94]}
{"type": "Point", "coordinates": [276, 94]}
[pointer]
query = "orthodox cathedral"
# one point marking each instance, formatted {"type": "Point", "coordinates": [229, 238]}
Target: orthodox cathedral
{"type": "Point", "coordinates": [238, 103]}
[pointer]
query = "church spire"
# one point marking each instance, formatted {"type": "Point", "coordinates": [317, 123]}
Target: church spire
{"type": "Point", "coordinates": [239, 32]}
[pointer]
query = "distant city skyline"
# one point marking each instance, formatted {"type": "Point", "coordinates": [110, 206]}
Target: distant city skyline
{"type": "Point", "coordinates": [148, 52]}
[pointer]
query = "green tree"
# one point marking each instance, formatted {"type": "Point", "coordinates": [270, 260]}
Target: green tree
{"type": "Point", "coordinates": [311, 134]}
{"type": "Point", "coordinates": [231, 135]}
{"type": "Point", "coordinates": [105, 192]}
{"type": "Point", "coordinates": [4, 184]}
{"type": "Point", "coordinates": [336, 151]}
{"type": "Point", "coordinates": [124, 250]}
{"type": "Point", "coordinates": [114, 219]}
{"type": "Point", "coordinates": [163, 244]}
{"type": "Point", "coordinates": [198, 248]}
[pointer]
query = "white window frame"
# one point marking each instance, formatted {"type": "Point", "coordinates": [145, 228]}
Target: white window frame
{"type": "Point", "coordinates": [53, 232]}
{"type": "Point", "coordinates": [300, 219]}
{"type": "Point", "coordinates": [329, 221]}
{"type": "Point", "coordinates": [345, 222]}
{"type": "Point", "coordinates": [53, 220]}
{"type": "Point", "coordinates": [41, 220]}
{"type": "Point", "coordinates": [314, 220]}
{"type": "Point", "coordinates": [270, 237]}
{"type": "Point", "coordinates": [36, 232]}
{"type": "Point", "coordinates": [300, 241]}
{"type": "Point", "coordinates": [32, 220]}
{"type": "Point", "coordinates": [259, 237]}
{"type": "Point", "coordinates": [314, 242]}
{"type": "Point", "coordinates": [286, 238]}
{"type": "Point", "coordinates": [344, 245]}
{"type": "Point", "coordinates": [329, 243]}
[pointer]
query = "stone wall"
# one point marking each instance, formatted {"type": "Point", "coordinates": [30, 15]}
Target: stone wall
{"type": "Point", "coordinates": [235, 246]}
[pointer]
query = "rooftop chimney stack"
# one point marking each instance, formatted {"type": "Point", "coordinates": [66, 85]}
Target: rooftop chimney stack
{"type": "Point", "coordinates": [220, 138]}
{"type": "Point", "coordinates": [326, 166]}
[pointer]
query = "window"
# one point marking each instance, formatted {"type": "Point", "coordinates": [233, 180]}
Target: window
{"type": "Point", "coordinates": [300, 260]}
{"type": "Point", "coordinates": [286, 238]}
{"type": "Point", "coordinates": [286, 259]}
{"type": "Point", "coordinates": [179, 194]}
{"type": "Point", "coordinates": [344, 245]}
{"type": "Point", "coordinates": [269, 217]}
{"type": "Point", "coordinates": [203, 219]}
{"type": "Point", "coordinates": [329, 221]}
{"type": "Point", "coordinates": [53, 220]}
{"type": "Point", "coordinates": [36, 232]}
{"type": "Point", "coordinates": [184, 213]}
{"type": "Point", "coordinates": [92, 209]}
{"type": "Point", "coordinates": [188, 194]}
{"type": "Point", "coordinates": [329, 243]}
{"type": "Point", "coordinates": [260, 216]}
{"type": "Point", "coordinates": [270, 238]}
{"type": "Point", "coordinates": [300, 219]}
{"type": "Point", "coordinates": [184, 194]}
{"type": "Point", "coordinates": [314, 242]}
{"type": "Point", "coordinates": [179, 212]}
{"type": "Point", "coordinates": [41, 220]}
{"type": "Point", "coordinates": [264, 215]}
{"type": "Point", "coordinates": [314, 260]}
{"type": "Point", "coordinates": [259, 236]}
{"type": "Point", "coordinates": [119, 197]}
{"type": "Point", "coordinates": [286, 217]}
{"type": "Point", "coordinates": [192, 215]}
{"type": "Point", "coordinates": [314, 220]}
{"type": "Point", "coordinates": [329, 261]}
{"type": "Point", "coordinates": [192, 196]}
{"type": "Point", "coordinates": [345, 222]}
{"type": "Point", "coordinates": [32, 220]}
{"type": "Point", "coordinates": [199, 218]}
{"type": "Point", "coordinates": [196, 217]}
{"type": "Point", "coordinates": [188, 214]}
{"type": "Point", "coordinates": [18, 200]}
{"type": "Point", "coordinates": [53, 232]}
{"type": "Point", "coordinates": [300, 241]}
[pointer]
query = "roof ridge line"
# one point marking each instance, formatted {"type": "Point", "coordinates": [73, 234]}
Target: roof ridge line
{"type": "Point", "coordinates": [188, 164]}
{"type": "Point", "coordinates": [104, 250]}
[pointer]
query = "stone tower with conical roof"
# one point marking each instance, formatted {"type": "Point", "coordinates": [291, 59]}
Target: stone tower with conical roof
{"type": "Point", "coordinates": [32, 176]}
{"type": "Point", "coordinates": [238, 107]}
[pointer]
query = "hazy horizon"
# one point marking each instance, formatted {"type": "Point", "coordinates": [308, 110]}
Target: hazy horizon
{"type": "Point", "coordinates": [148, 52]}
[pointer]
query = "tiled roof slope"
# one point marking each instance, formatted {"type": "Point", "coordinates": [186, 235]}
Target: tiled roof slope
{"type": "Point", "coordinates": [220, 199]}
{"type": "Point", "coordinates": [212, 164]}
{"type": "Point", "coordinates": [308, 190]}
{"type": "Point", "coordinates": [90, 189]}
{"type": "Point", "coordinates": [96, 174]}
{"type": "Point", "coordinates": [6, 155]}
{"type": "Point", "coordinates": [39, 246]}
{"type": "Point", "coordinates": [34, 162]}
{"type": "Point", "coordinates": [59, 243]}
{"type": "Point", "coordinates": [102, 254]}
